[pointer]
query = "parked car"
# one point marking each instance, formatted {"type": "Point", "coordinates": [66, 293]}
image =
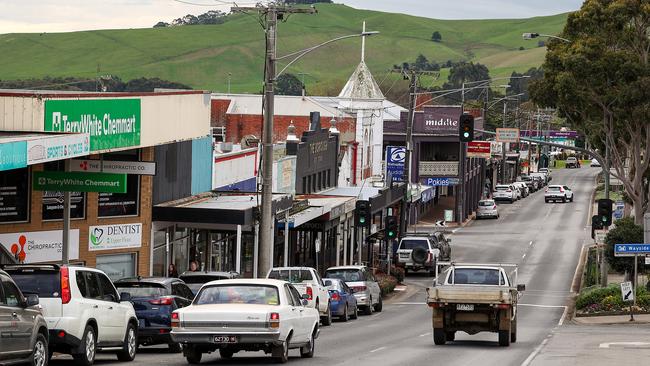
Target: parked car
{"type": "Point", "coordinates": [343, 304]}
{"type": "Point", "coordinates": [533, 184]}
{"type": "Point", "coordinates": [83, 311]}
{"type": "Point", "coordinates": [487, 208]}
{"type": "Point", "coordinates": [523, 188]}
{"type": "Point", "coordinates": [572, 162]}
{"type": "Point", "coordinates": [546, 171]}
{"type": "Point", "coordinates": [23, 330]}
{"type": "Point", "coordinates": [421, 251]}
{"type": "Point", "coordinates": [541, 179]}
{"type": "Point", "coordinates": [154, 299]}
{"type": "Point", "coordinates": [194, 280]}
{"type": "Point", "coordinates": [595, 164]}
{"type": "Point", "coordinates": [246, 315]}
{"type": "Point", "coordinates": [504, 192]}
{"type": "Point", "coordinates": [309, 283]}
{"type": "Point", "coordinates": [558, 193]}
{"type": "Point", "coordinates": [362, 281]}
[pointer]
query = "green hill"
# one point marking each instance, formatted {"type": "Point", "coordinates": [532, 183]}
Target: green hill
{"type": "Point", "coordinates": [203, 56]}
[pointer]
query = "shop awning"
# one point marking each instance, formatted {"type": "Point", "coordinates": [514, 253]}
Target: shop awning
{"type": "Point", "coordinates": [303, 217]}
{"type": "Point", "coordinates": [18, 150]}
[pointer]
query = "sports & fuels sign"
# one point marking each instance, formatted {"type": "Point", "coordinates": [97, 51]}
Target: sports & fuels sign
{"type": "Point", "coordinates": [630, 250]}
{"type": "Point", "coordinates": [507, 134]}
{"type": "Point", "coordinates": [478, 149]}
{"type": "Point", "coordinates": [111, 123]}
{"type": "Point", "coordinates": [110, 166]}
{"type": "Point", "coordinates": [79, 182]}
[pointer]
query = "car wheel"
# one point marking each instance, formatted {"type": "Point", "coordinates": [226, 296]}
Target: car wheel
{"type": "Point", "coordinates": [355, 313]}
{"type": "Point", "coordinates": [308, 350]}
{"type": "Point", "coordinates": [379, 306]}
{"type": "Point", "coordinates": [327, 319]}
{"type": "Point", "coordinates": [281, 353]}
{"type": "Point", "coordinates": [368, 309]}
{"type": "Point", "coordinates": [564, 200]}
{"type": "Point", "coordinates": [513, 331]}
{"type": "Point", "coordinates": [130, 346]}
{"type": "Point", "coordinates": [504, 338]}
{"type": "Point", "coordinates": [226, 353]}
{"type": "Point", "coordinates": [88, 348]}
{"type": "Point", "coordinates": [450, 336]}
{"type": "Point", "coordinates": [571, 199]}
{"type": "Point", "coordinates": [345, 317]}
{"type": "Point", "coordinates": [193, 355]}
{"type": "Point", "coordinates": [439, 336]}
{"type": "Point", "coordinates": [40, 355]}
{"type": "Point", "coordinates": [174, 347]}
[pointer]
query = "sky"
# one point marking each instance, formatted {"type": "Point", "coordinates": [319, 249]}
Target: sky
{"type": "Point", "coordinates": [35, 16]}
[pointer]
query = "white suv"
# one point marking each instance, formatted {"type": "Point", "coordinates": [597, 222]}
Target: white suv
{"type": "Point", "coordinates": [83, 311]}
{"type": "Point", "coordinates": [558, 193]}
{"type": "Point", "coordinates": [505, 192]}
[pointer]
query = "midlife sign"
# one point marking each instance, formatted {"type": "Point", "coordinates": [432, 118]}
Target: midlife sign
{"type": "Point", "coordinates": [111, 123]}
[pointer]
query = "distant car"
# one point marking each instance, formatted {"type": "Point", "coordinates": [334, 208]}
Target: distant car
{"type": "Point", "coordinates": [532, 184]}
{"type": "Point", "coordinates": [361, 280]}
{"type": "Point", "coordinates": [546, 171]}
{"type": "Point", "coordinates": [541, 178]}
{"type": "Point", "coordinates": [23, 331]}
{"type": "Point", "coordinates": [422, 251]}
{"type": "Point", "coordinates": [154, 299]}
{"type": "Point", "coordinates": [343, 303]}
{"type": "Point", "coordinates": [558, 193]}
{"type": "Point", "coordinates": [572, 162]}
{"type": "Point", "coordinates": [194, 280]}
{"type": "Point", "coordinates": [505, 192]}
{"type": "Point", "coordinates": [487, 208]}
{"type": "Point", "coordinates": [523, 188]}
{"type": "Point", "coordinates": [595, 163]}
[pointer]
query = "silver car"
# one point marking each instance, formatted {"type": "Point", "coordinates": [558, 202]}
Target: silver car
{"type": "Point", "coordinates": [361, 280]}
{"type": "Point", "coordinates": [487, 208]}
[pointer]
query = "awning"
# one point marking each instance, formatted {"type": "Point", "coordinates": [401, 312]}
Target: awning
{"type": "Point", "coordinates": [18, 150]}
{"type": "Point", "coordinates": [302, 217]}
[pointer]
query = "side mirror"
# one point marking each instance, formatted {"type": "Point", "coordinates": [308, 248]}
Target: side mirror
{"type": "Point", "coordinates": [125, 296]}
{"type": "Point", "coordinates": [327, 283]}
{"type": "Point", "coordinates": [305, 302]}
{"type": "Point", "coordinates": [521, 287]}
{"type": "Point", "coordinates": [305, 297]}
{"type": "Point", "coordinates": [31, 300]}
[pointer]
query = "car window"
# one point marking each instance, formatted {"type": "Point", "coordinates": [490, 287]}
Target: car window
{"type": "Point", "coordinates": [45, 284]}
{"type": "Point", "coordinates": [476, 276]}
{"type": "Point", "coordinates": [567, 188]}
{"type": "Point", "coordinates": [81, 283]}
{"type": "Point", "coordinates": [291, 275]}
{"type": "Point", "coordinates": [180, 289]}
{"type": "Point", "coordinates": [106, 287]}
{"type": "Point", "coordinates": [238, 294]}
{"type": "Point", "coordinates": [344, 287]}
{"type": "Point", "coordinates": [12, 296]}
{"type": "Point", "coordinates": [92, 286]}
{"type": "Point", "coordinates": [287, 293]}
{"type": "Point", "coordinates": [187, 291]}
{"type": "Point", "coordinates": [486, 203]}
{"type": "Point", "coordinates": [347, 275]}
{"type": "Point", "coordinates": [142, 289]}
{"type": "Point", "coordinates": [413, 243]}
{"type": "Point", "coordinates": [320, 280]}
{"type": "Point", "coordinates": [553, 188]}
{"type": "Point", "coordinates": [295, 295]}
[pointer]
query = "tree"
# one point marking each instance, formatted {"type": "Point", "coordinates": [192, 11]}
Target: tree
{"type": "Point", "coordinates": [288, 84]}
{"type": "Point", "coordinates": [600, 82]}
{"type": "Point", "coordinates": [464, 72]}
{"type": "Point", "coordinates": [421, 63]}
{"type": "Point", "coordinates": [161, 25]}
{"type": "Point", "coordinates": [436, 36]}
{"type": "Point", "coordinates": [626, 231]}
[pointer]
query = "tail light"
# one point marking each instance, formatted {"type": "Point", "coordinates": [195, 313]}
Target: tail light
{"type": "Point", "coordinates": [561, 189]}
{"type": "Point", "coordinates": [310, 293]}
{"type": "Point", "coordinates": [335, 296]}
{"type": "Point", "coordinates": [509, 190]}
{"type": "Point", "coordinates": [546, 190]}
{"type": "Point", "coordinates": [429, 257]}
{"type": "Point", "coordinates": [65, 285]}
{"type": "Point", "coordinates": [495, 207]}
{"type": "Point", "coordinates": [434, 305]}
{"type": "Point", "coordinates": [274, 320]}
{"type": "Point", "coordinates": [176, 321]}
{"type": "Point", "coordinates": [162, 301]}
{"type": "Point", "coordinates": [503, 306]}
{"type": "Point", "coordinates": [359, 288]}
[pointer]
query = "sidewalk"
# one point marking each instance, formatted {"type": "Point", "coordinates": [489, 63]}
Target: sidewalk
{"type": "Point", "coordinates": [612, 319]}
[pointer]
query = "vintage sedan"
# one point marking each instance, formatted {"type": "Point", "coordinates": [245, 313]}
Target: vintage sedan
{"type": "Point", "coordinates": [246, 315]}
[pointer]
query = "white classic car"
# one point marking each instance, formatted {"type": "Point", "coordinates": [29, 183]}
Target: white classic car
{"type": "Point", "coordinates": [246, 315]}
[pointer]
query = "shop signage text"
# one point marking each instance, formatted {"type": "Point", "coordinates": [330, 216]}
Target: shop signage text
{"type": "Point", "coordinates": [79, 182]}
{"type": "Point", "coordinates": [108, 166]}
{"type": "Point", "coordinates": [395, 158]}
{"type": "Point", "coordinates": [111, 123]}
{"type": "Point", "coordinates": [443, 182]}
{"type": "Point", "coordinates": [57, 148]}
{"type": "Point", "coordinates": [507, 134]}
{"type": "Point", "coordinates": [115, 236]}
{"type": "Point", "coordinates": [40, 246]}
{"type": "Point", "coordinates": [479, 149]}
{"type": "Point", "coordinates": [441, 119]}
{"type": "Point", "coordinates": [13, 155]}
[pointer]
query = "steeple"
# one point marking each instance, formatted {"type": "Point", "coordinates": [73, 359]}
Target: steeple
{"type": "Point", "coordinates": [361, 84]}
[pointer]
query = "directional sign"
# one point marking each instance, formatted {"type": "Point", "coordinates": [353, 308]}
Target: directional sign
{"type": "Point", "coordinates": [442, 182]}
{"type": "Point", "coordinates": [626, 291]}
{"type": "Point", "coordinates": [630, 250]}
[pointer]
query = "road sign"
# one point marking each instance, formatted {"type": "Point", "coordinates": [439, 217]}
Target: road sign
{"type": "Point", "coordinates": [79, 182]}
{"type": "Point", "coordinates": [507, 134]}
{"type": "Point", "coordinates": [110, 166]}
{"type": "Point", "coordinates": [600, 236]}
{"type": "Point", "coordinates": [478, 149]}
{"type": "Point", "coordinates": [630, 250]}
{"type": "Point", "coordinates": [395, 158]}
{"type": "Point", "coordinates": [626, 291]}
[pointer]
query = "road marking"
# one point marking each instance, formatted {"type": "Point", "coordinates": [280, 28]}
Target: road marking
{"type": "Point", "coordinates": [531, 243]}
{"type": "Point", "coordinates": [564, 313]}
{"type": "Point", "coordinates": [536, 351]}
{"type": "Point", "coordinates": [625, 344]}
{"type": "Point", "coordinates": [523, 256]}
{"type": "Point", "coordinates": [544, 306]}
{"type": "Point", "coordinates": [410, 303]}
{"type": "Point", "coordinates": [424, 334]}
{"type": "Point", "coordinates": [377, 349]}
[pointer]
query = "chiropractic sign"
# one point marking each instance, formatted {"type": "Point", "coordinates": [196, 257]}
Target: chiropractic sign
{"type": "Point", "coordinates": [111, 123]}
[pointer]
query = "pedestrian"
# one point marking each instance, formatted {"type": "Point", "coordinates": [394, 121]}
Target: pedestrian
{"type": "Point", "coordinates": [194, 267]}
{"type": "Point", "coordinates": [171, 270]}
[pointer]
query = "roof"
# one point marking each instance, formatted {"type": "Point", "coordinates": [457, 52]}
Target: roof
{"type": "Point", "coordinates": [161, 280]}
{"type": "Point", "coordinates": [84, 94]}
{"type": "Point", "coordinates": [208, 273]}
{"type": "Point", "coordinates": [347, 267]}
{"type": "Point", "coordinates": [362, 193]}
{"type": "Point", "coordinates": [285, 105]}
{"type": "Point", "coordinates": [361, 85]}
{"type": "Point", "coordinates": [249, 281]}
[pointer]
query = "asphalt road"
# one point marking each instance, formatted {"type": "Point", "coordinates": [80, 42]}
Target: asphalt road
{"type": "Point", "coordinates": [544, 239]}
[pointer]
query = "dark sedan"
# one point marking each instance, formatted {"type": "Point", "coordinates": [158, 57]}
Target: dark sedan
{"type": "Point", "coordinates": [154, 299]}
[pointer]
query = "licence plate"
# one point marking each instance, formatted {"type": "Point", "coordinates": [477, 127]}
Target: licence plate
{"type": "Point", "coordinates": [465, 307]}
{"type": "Point", "coordinates": [225, 339]}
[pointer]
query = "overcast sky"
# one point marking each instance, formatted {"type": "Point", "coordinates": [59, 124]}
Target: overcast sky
{"type": "Point", "coordinates": [19, 16]}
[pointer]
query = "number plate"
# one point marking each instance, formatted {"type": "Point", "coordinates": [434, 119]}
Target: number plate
{"type": "Point", "coordinates": [225, 339]}
{"type": "Point", "coordinates": [465, 307]}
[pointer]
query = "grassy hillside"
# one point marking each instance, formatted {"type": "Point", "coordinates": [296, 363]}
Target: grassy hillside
{"type": "Point", "coordinates": [202, 56]}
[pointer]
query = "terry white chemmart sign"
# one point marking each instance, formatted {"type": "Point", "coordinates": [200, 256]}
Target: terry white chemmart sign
{"type": "Point", "coordinates": [115, 236]}
{"type": "Point", "coordinates": [111, 123]}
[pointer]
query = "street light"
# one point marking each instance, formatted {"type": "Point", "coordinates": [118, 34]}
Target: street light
{"type": "Point", "coordinates": [528, 36]}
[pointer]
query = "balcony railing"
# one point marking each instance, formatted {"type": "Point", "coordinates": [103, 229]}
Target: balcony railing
{"type": "Point", "coordinates": [439, 168]}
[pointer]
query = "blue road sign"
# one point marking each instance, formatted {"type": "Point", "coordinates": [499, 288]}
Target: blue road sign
{"type": "Point", "coordinates": [395, 159]}
{"type": "Point", "coordinates": [627, 250]}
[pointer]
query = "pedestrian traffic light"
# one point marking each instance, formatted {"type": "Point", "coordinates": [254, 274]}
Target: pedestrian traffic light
{"type": "Point", "coordinates": [596, 224]}
{"type": "Point", "coordinates": [362, 214]}
{"type": "Point", "coordinates": [391, 227]}
{"type": "Point", "coordinates": [466, 128]}
{"type": "Point", "coordinates": [605, 211]}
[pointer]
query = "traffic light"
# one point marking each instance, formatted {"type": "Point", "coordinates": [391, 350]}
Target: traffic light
{"type": "Point", "coordinates": [605, 211]}
{"type": "Point", "coordinates": [391, 227]}
{"type": "Point", "coordinates": [362, 214]}
{"type": "Point", "coordinates": [596, 224]}
{"type": "Point", "coordinates": [466, 128]}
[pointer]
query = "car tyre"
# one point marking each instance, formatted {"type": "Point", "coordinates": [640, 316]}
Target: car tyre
{"type": "Point", "coordinates": [450, 336]}
{"type": "Point", "coordinates": [226, 353]}
{"type": "Point", "coordinates": [504, 338]}
{"type": "Point", "coordinates": [439, 336]}
{"type": "Point", "coordinates": [40, 354]}
{"type": "Point", "coordinates": [308, 350]}
{"type": "Point", "coordinates": [174, 347]}
{"type": "Point", "coordinates": [368, 309]}
{"type": "Point", "coordinates": [513, 331]}
{"type": "Point", "coordinates": [281, 353]}
{"type": "Point", "coordinates": [564, 200]}
{"type": "Point", "coordinates": [327, 319]}
{"type": "Point", "coordinates": [379, 306]}
{"type": "Point", "coordinates": [88, 347]}
{"type": "Point", "coordinates": [571, 199]}
{"type": "Point", "coordinates": [193, 355]}
{"type": "Point", "coordinates": [130, 346]}
{"type": "Point", "coordinates": [345, 317]}
{"type": "Point", "coordinates": [355, 314]}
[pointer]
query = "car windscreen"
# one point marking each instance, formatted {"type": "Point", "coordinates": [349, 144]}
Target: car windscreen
{"type": "Point", "coordinates": [502, 188]}
{"type": "Point", "coordinates": [43, 283]}
{"type": "Point", "coordinates": [476, 276]}
{"type": "Point", "coordinates": [336, 283]}
{"type": "Point", "coordinates": [290, 275]}
{"type": "Point", "coordinates": [412, 244]}
{"type": "Point", "coordinates": [142, 289]}
{"type": "Point", "coordinates": [238, 294]}
{"type": "Point", "coordinates": [486, 203]}
{"type": "Point", "coordinates": [554, 189]}
{"type": "Point", "coordinates": [347, 275]}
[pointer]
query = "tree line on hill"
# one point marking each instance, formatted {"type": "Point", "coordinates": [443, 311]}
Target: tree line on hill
{"type": "Point", "coordinates": [101, 84]}
{"type": "Point", "coordinates": [209, 17]}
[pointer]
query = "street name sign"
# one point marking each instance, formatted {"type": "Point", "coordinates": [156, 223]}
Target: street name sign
{"type": "Point", "coordinates": [79, 182]}
{"type": "Point", "coordinates": [626, 291]}
{"type": "Point", "coordinates": [507, 134]}
{"type": "Point", "coordinates": [111, 166]}
{"type": "Point", "coordinates": [631, 250]}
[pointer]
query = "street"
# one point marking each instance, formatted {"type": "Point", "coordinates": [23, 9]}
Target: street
{"type": "Point", "coordinates": [544, 239]}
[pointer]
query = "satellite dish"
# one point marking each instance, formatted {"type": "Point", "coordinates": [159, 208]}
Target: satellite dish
{"type": "Point", "coordinates": [249, 141]}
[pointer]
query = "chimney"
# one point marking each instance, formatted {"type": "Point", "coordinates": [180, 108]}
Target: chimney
{"type": "Point", "coordinates": [292, 140]}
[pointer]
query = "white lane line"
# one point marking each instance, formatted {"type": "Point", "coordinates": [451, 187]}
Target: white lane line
{"type": "Point", "coordinates": [535, 352]}
{"type": "Point", "coordinates": [409, 303]}
{"type": "Point", "coordinates": [523, 256]}
{"type": "Point", "coordinates": [564, 313]}
{"type": "Point", "coordinates": [424, 334]}
{"type": "Point", "coordinates": [531, 243]}
{"type": "Point", "coordinates": [625, 344]}
{"type": "Point", "coordinates": [544, 306]}
{"type": "Point", "coordinates": [377, 349]}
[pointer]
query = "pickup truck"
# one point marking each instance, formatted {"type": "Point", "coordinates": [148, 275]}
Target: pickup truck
{"type": "Point", "coordinates": [475, 298]}
{"type": "Point", "coordinates": [310, 285]}
{"type": "Point", "coordinates": [421, 251]}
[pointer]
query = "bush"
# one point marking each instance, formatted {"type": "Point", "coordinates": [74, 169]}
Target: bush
{"type": "Point", "coordinates": [386, 282]}
{"type": "Point", "coordinates": [596, 296]}
{"type": "Point", "coordinates": [626, 231]}
{"type": "Point", "coordinates": [398, 273]}
{"type": "Point", "coordinates": [612, 302]}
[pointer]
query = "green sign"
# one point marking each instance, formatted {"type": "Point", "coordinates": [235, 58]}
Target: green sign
{"type": "Point", "coordinates": [79, 182]}
{"type": "Point", "coordinates": [111, 123]}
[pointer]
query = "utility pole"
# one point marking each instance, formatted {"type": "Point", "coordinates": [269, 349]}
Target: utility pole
{"type": "Point", "coordinates": [503, 145]}
{"type": "Point", "coordinates": [413, 82]}
{"type": "Point", "coordinates": [271, 13]}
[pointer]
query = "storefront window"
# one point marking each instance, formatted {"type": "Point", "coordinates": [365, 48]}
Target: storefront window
{"type": "Point", "coordinates": [53, 201]}
{"type": "Point", "coordinates": [117, 266]}
{"type": "Point", "coordinates": [160, 253]}
{"type": "Point", "coordinates": [14, 196]}
{"type": "Point", "coordinates": [121, 204]}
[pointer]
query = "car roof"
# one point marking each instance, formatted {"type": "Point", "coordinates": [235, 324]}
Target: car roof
{"type": "Point", "coordinates": [209, 273]}
{"type": "Point", "coordinates": [159, 280]}
{"type": "Point", "coordinates": [248, 281]}
{"type": "Point", "coordinates": [291, 268]}
{"type": "Point", "coordinates": [347, 267]}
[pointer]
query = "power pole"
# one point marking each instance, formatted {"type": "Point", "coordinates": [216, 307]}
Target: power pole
{"type": "Point", "coordinates": [503, 146]}
{"type": "Point", "coordinates": [413, 81]}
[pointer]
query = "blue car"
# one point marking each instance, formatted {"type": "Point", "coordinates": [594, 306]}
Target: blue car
{"type": "Point", "coordinates": [154, 299]}
{"type": "Point", "coordinates": [343, 303]}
